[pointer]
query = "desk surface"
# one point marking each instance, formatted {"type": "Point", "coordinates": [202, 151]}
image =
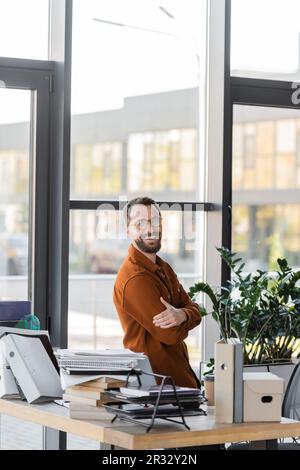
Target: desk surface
{"type": "Point", "coordinates": [164, 434]}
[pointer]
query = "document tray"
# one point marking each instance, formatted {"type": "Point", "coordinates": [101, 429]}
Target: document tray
{"type": "Point", "coordinates": [137, 412]}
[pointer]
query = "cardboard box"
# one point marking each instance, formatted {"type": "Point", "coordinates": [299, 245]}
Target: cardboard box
{"type": "Point", "coordinates": [263, 393]}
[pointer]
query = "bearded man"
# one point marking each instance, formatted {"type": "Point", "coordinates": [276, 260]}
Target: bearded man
{"type": "Point", "coordinates": [155, 311]}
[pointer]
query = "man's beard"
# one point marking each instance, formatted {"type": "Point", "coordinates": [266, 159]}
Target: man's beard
{"type": "Point", "coordinates": [149, 249]}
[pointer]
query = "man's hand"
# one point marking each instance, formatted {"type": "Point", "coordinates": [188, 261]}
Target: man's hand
{"type": "Point", "coordinates": [171, 316]}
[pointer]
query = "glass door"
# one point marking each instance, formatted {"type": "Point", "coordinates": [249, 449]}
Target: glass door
{"type": "Point", "coordinates": [15, 151]}
{"type": "Point", "coordinates": [24, 143]}
{"type": "Point", "coordinates": [24, 147]}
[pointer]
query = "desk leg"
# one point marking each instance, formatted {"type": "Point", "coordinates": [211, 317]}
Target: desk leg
{"type": "Point", "coordinates": [104, 446]}
{"type": "Point", "coordinates": [54, 440]}
{"type": "Point", "coordinates": [271, 444]}
{"type": "Point", "coordinates": [110, 447]}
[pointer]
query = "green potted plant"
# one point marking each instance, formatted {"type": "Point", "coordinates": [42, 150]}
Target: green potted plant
{"type": "Point", "coordinates": [261, 309]}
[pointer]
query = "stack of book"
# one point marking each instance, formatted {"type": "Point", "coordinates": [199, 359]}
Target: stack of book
{"type": "Point", "coordinates": [86, 400]}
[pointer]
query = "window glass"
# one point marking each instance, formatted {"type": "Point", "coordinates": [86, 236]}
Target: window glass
{"type": "Point", "coordinates": [266, 185]}
{"type": "Point", "coordinates": [14, 192]}
{"type": "Point", "coordinates": [24, 27]}
{"type": "Point", "coordinates": [265, 39]}
{"type": "Point", "coordinates": [135, 126]}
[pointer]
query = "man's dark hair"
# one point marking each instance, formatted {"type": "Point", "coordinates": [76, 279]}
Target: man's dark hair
{"type": "Point", "coordinates": [145, 201]}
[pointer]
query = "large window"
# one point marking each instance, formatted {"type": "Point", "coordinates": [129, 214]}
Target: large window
{"type": "Point", "coordinates": [135, 126]}
{"type": "Point", "coordinates": [24, 28]}
{"type": "Point", "coordinates": [265, 39]}
{"type": "Point", "coordinates": [135, 108]}
{"type": "Point", "coordinates": [266, 185]}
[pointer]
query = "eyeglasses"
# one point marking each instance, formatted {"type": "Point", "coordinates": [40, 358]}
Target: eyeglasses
{"type": "Point", "coordinates": [142, 224]}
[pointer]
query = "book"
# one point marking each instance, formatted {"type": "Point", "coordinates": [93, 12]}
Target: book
{"type": "Point", "coordinates": [84, 392]}
{"type": "Point", "coordinates": [103, 383]}
{"type": "Point", "coordinates": [69, 380]}
{"type": "Point", "coordinates": [155, 389]}
{"type": "Point", "coordinates": [85, 400]}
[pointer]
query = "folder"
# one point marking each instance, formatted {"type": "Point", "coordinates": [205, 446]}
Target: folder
{"type": "Point", "coordinates": [33, 369]}
{"type": "Point", "coordinates": [8, 388]}
{"type": "Point", "coordinates": [229, 381]}
{"type": "Point", "coordinates": [238, 398]}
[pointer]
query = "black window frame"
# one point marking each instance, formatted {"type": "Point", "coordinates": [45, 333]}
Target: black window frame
{"type": "Point", "coordinates": [35, 76]}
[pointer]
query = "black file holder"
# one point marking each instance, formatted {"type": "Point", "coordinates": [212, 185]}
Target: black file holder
{"type": "Point", "coordinates": [163, 378]}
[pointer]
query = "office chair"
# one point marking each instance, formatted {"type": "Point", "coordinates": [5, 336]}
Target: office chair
{"type": "Point", "coordinates": [290, 409]}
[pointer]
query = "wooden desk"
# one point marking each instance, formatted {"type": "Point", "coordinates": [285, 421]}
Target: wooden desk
{"type": "Point", "coordinates": [165, 435]}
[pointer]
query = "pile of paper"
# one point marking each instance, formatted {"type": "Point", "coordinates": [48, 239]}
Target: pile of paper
{"type": "Point", "coordinates": [87, 376]}
{"type": "Point", "coordinates": [81, 366]}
